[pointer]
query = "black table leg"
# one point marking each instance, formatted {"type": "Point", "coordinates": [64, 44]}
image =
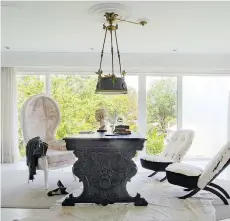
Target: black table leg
{"type": "Point", "coordinates": [104, 177]}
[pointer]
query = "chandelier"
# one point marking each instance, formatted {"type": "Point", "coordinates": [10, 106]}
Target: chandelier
{"type": "Point", "coordinates": [110, 83]}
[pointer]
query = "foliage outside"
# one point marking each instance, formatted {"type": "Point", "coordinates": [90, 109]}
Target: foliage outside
{"type": "Point", "coordinates": [155, 142]}
{"type": "Point", "coordinates": [161, 109]}
{"type": "Point", "coordinates": [78, 102]}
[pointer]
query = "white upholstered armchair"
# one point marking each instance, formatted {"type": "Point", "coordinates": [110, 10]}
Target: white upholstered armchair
{"type": "Point", "coordinates": [195, 179]}
{"type": "Point", "coordinates": [174, 151]}
{"type": "Point", "coordinates": [40, 116]}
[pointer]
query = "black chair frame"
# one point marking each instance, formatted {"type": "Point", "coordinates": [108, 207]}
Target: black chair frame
{"type": "Point", "coordinates": [190, 183]}
{"type": "Point", "coordinates": [156, 167]}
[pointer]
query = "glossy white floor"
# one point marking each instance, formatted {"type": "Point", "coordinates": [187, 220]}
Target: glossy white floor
{"type": "Point", "coordinates": [14, 214]}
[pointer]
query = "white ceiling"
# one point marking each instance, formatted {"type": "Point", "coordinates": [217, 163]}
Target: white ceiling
{"type": "Point", "coordinates": [188, 27]}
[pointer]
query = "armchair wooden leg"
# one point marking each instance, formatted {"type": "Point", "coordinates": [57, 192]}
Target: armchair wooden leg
{"type": "Point", "coordinates": [220, 189]}
{"type": "Point", "coordinates": [46, 172]}
{"type": "Point", "coordinates": [187, 190]}
{"type": "Point", "coordinates": [152, 174]}
{"type": "Point", "coordinates": [43, 165]}
{"type": "Point", "coordinates": [163, 179]}
{"type": "Point", "coordinates": [190, 194]}
{"type": "Point", "coordinates": [217, 194]}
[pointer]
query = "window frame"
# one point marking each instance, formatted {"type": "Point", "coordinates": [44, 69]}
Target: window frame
{"type": "Point", "coordinates": [141, 94]}
{"type": "Point", "coordinates": [142, 107]}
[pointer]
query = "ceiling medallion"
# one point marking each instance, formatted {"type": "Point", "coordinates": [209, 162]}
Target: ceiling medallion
{"type": "Point", "coordinates": [110, 83]}
{"type": "Point", "coordinates": [99, 10]}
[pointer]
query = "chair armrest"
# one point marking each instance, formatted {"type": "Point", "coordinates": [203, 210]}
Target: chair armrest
{"type": "Point", "coordinates": [58, 145]}
{"type": "Point", "coordinates": [42, 163]}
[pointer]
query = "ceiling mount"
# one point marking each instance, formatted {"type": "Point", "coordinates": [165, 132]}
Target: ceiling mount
{"type": "Point", "coordinates": [99, 11]}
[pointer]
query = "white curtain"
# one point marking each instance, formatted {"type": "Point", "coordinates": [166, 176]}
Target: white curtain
{"type": "Point", "coordinates": [9, 118]}
{"type": "Point", "coordinates": [228, 125]}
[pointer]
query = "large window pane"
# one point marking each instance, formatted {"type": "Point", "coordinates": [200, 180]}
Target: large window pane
{"type": "Point", "coordinates": [205, 106]}
{"type": "Point", "coordinates": [161, 111]}
{"type": "Point", "coordinates": [78, 102]}
{"type": "Point", "coordinates": [27, 86]}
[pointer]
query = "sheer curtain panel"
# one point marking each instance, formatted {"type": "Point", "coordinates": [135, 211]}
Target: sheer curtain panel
{"type": "Point", "coordinates": [9, 118]}
{"type": "Point", "coordinates": [228, 129]}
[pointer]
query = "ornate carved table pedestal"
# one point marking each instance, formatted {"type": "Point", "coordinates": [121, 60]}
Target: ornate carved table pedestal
{"type": "Point", "coordinates": [104, 166]}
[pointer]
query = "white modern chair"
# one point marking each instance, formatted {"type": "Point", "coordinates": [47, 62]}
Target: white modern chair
{"type": "Point", "coordinates": [174, 151]}
{"type": "Point", "coordinates": [40, 116]}
{"type": "Point", "coordinates": [195, 179]}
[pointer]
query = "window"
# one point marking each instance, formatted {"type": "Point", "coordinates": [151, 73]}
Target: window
{"type": "Point", "coordinates": [78, 102]}
{"type": "Point", "coordinates": [161, 111]}
{"type": "Point", "coordinates": [205, 110]}
{"type": "Point", "coordinates": [27, 86]}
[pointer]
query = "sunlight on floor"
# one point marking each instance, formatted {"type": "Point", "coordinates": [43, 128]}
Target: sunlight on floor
{"type": "Point", "coordinates": [12, 214]}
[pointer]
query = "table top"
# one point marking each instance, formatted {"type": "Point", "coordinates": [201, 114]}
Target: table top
{"type": "Point", "coordinates": [105, 136]}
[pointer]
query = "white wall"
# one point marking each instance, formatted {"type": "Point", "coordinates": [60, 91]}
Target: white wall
{"type": "Point", "coordinates": [228, 126]}
{"type": "Point", "coordinates": [0, 114]}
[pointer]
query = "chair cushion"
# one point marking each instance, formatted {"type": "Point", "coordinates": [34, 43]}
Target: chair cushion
{"type": "Point", "coordinates": [158, 159]}
{"type": "Point", "coordinates": [156, 163]}
{"type": "Point", "coordinates": [185, 169]}
{"type": "Point", "coordinates": [183, 175]}
{"type": "Point", "coordinates": [60, 158]}
{"type": "Point", "coordinates": [155, 166]}
{"type": "Point", "coordinates": [58, 145]}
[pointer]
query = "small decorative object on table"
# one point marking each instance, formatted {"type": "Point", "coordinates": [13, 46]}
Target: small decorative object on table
{"type": "Point", "coordinates": [101, 131]}
{"type": "Point", "coordinates": [86, 132]}
{"type": "Point", "coordinates": [122, 130]}
{"type": "Point", "coordinates": [101, 115]}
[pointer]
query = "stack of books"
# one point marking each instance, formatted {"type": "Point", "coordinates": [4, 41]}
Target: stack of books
{"type": "Point", "coordinates": [122, 130]}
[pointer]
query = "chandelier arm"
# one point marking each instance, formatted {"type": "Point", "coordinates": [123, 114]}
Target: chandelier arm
{"type": "Point", "coordinates": [102, 51]}
{"type": "Point", "coordinates": [118, 53]}
{"type": "Point", "coordinates": [128, 21]}
{"type": "Point", "coordinates": [136, 23]}
{"type": "Point", "coordinates": [111, 33]}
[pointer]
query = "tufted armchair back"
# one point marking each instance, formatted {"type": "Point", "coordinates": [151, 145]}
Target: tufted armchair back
{"type": "Point", "coordinates": [178, 145]}
{"type": "Point", "coordinates": [215, 166]}
{"type": "Point", "coordinates": [40, 116]}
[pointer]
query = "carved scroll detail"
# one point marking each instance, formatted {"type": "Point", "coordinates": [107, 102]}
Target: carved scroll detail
{"type": "Point", "coordinates": [105, 171]}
